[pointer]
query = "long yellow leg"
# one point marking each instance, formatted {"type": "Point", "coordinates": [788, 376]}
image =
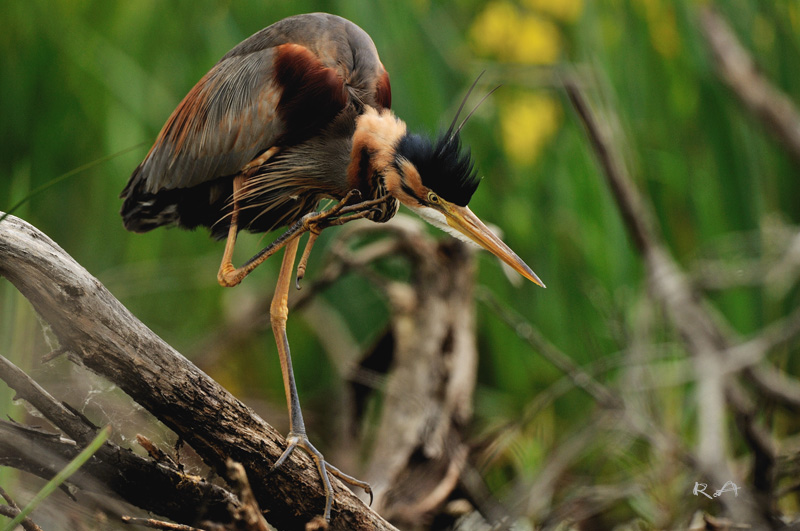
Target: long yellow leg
{"type": "Point", "coordinates": [230, 276]}
{"type": "Point", "coordinates": [279, 313]}
{"type": "Point", "coordinates": [297, 438]}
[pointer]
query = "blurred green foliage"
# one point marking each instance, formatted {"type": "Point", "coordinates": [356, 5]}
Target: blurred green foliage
{"type": "Point", "coordinates": [80, 80]}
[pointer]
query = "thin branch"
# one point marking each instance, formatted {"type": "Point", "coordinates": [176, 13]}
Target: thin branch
{"type": "Point", "coordinates": [12, 510]}
{"type": "Point", "coordinates": [779, 334]}
{"type": "Point", "coordinates": [696, 323]}
{"type": "Point", "coordinates": [158, 524]}
{"type": "Point", "coordinates": [30, 391]}
{"type": "Point", "coordinates": [776, 385]}
{"type": "Point", "coordinates": [582, 379]}
{"type": "Point", "coordinates": [740, 72]}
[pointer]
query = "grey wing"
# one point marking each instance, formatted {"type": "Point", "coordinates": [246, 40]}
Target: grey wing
{"type": "Point", "coordinates": [228, 118]}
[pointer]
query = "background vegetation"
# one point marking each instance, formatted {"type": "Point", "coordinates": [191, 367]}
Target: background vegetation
{"type": "Point", "coordinates": [82, 80]}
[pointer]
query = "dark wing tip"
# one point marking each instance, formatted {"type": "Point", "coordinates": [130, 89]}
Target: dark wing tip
{"type": "Point", "coordinates": [443, 165]}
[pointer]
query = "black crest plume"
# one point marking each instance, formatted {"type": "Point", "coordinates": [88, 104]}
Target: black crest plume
{"type": "Point", "coordinates": [442, 165]}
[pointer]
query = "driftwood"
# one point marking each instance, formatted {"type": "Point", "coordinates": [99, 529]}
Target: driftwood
{"type": "Point", "coordinates": [94, 329]}
{"type": "Point", "coordinates": [419, 452]}
{"type": "Point", "coordinates": [418, 455]}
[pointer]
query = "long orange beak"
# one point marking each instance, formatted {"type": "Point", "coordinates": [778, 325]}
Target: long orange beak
{"type": "Point", "coordinates": [464, 221]}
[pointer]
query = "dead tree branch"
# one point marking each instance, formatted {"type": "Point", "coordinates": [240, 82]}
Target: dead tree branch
{"type": "Point", "coordinates": [100, 333]}
{"type": "Point", "coordinates": [699, 327]}
{"type": "Point", "coordinates": [740, 72]}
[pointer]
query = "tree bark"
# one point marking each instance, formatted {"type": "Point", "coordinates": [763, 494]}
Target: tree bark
{"type": "Point", "coordinates": [97, 331]}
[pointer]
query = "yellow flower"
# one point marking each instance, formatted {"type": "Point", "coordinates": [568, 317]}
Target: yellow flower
{"type": "Point", "coordinates": [663, 29]}
{"type": "Point", "coordinates": [527, 123]}
{"type": "Point", "coordinates": [565, 10]}
{"type": "Point", "coordinates": [506, 32]}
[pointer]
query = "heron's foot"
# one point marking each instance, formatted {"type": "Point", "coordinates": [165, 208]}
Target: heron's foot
{"type": "Point", "coordinates": [350, 207]}
{"type": "Point", "coordinates": [338, 214]}
{"type": "Point", "coordinates": [302, 442]}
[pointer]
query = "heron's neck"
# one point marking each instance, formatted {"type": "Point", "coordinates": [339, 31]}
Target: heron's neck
{"type": "Point", "coordinates": [374, 141]}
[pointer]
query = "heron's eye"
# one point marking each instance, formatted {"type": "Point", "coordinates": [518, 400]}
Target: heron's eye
{"type": "Point", "coordinates": [433, 198]}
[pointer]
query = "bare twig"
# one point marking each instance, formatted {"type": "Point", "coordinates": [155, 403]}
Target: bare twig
{"type": "Point", "coordinates": [582, 379]}
{"type": "Point", "coordinates": [776, 385]}
{"type": "Point", "coordinates": [738, 69]}
{"type": "Point", "coordinates": [698, 326]}
{"type": "Point", "coordinates": [12, 510]}
{"type": "Point", "coordinates": [779, 334]}
{"type": "Point", "coordinates": [158, 524]}
{"type": "Point", "coordinates": [63, 418]}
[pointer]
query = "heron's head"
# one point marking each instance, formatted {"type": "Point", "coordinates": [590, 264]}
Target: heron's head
{"type": "Point", "coordinates": [436, 179]}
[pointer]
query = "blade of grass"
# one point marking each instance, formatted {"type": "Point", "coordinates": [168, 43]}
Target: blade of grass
{"type": "Point", "coordinates": [67, 175]}
{"type": "Point", "coordinates": [61, 477]}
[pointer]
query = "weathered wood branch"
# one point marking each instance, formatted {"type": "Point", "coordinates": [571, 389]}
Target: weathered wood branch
{"type": "Point", "coordinates": [419, 449]}
{"type": "Point", "coordinates": [740, 72]}
{"type": "Point", "coordinates": [141, 482]}
{"type": "Point", "coordinates": [699, 327]}
{"type": "Point", "coordinates": [97, 331]}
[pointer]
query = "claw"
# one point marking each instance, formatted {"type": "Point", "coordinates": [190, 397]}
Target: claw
{"type": "Point", "coordinates": [302, 442]}
{"type": "Point", "coordinates": [301, 267]}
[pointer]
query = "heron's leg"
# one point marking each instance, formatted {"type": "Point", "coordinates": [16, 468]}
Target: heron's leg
{"type": "Point", "coordinates": [279, 313]}
{"type": "Point", "coordinates": [297, 438]}
{"type": "Point", "coordinates": [228, 275]}
{"type": "Point", "coordinates": [226, 267]}
{"type": "Point", "coordinates": [339, 214]}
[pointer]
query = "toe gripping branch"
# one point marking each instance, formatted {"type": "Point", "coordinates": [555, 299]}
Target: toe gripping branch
{"type": "Point", "coordinates": [323, 467]}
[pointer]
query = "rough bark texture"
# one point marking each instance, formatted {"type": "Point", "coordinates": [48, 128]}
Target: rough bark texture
{"type": "Point", "coordinates": [419, 453]}
{"type": "Point", "coordinates": [98, 332]}
{"type": "Point", "coordinates": [141, 482]}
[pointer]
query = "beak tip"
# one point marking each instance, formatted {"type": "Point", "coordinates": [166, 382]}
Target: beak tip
{"type": "Point", "coordinates": [463, 220]}
{"type": "Point", "coordinates": [530, 275]}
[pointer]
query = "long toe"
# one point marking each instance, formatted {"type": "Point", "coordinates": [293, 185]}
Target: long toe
{"type": "Point", "coordinates": [301, 441]}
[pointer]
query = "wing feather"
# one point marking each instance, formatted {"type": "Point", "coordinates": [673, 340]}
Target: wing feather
{"type": "Point", "coordinates": [228, 118]}
{"type": "Point", "coordinates": [279, 87]}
